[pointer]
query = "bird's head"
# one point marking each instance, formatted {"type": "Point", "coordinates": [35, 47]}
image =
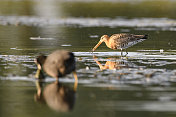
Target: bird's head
{"type": "Point", "coordinates": [40, 60]}
{"type": "Point", "coordinates": [103, 38]}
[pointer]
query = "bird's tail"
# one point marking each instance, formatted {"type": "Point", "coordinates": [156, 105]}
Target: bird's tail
{"type": "Point", "coordinates": [141, 36]}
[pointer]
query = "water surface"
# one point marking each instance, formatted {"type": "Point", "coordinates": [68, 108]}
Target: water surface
{"type": "Point", "coordinates": [140, 84]}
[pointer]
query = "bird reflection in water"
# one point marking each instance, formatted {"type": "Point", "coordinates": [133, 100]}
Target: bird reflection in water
{"type": "Point", "coordinates": [57, 96]}
{"type": "Point", "coordinates": [113, 63]}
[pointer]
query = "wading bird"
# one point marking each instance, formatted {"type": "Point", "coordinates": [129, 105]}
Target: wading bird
{"type": "Point", "coordinates": [57, 64]}
{"type": "Point", "coordinates": [121, 41]}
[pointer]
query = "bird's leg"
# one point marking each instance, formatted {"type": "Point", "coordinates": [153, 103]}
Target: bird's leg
{"type": "Point", "coordinates": [121, 52]}
{"type": "Point", "coordinates": [126, 51]}
{"type": "Point", "coordinates": [76, 80]}
{"type": "Point", "coordinates": [75, 76]}
{"type": "Point", "coordinates": [37, 73]}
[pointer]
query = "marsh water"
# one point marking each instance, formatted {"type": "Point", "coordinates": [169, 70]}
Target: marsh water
{"type": "Point", "coordinates": [143, 83]}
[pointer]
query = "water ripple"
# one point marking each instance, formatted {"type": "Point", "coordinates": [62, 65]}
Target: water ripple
{"type": "Point", "coordinates": [163, 23]}
{"type": "Point", "coordinates": [138, 68]}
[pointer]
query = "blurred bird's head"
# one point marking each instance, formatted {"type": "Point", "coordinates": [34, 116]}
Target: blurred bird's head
{"type": "Point", "coordinates": [40, 60]}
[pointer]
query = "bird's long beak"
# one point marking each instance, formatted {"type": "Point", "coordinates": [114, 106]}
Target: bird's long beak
{"type": "Point", "coordinates": [97, 45]}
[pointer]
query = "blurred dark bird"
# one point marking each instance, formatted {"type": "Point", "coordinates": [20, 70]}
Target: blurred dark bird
{"type": "Point", "coordinates": [57, 64]}
{"type": "Point", "coordinates": [121, 41]}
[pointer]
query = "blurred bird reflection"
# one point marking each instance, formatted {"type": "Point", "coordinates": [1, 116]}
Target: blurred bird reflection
{"type": "Point", "coordinates": [56, 95]}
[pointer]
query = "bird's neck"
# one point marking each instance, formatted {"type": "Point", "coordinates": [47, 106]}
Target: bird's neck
{"type": "Point", "coordinates": [107, 42]}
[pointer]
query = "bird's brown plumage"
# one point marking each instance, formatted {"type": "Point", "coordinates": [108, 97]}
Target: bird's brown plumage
{"type": "Point", "coordinates": [58, 64]}
{"type": "Point", "coordinates": [120, 41]}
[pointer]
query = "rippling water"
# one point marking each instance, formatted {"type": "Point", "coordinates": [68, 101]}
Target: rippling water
{"type": "Point", "coordinates": [163, 23]}
{"type": "Point", "coordinates": [139, 84]}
